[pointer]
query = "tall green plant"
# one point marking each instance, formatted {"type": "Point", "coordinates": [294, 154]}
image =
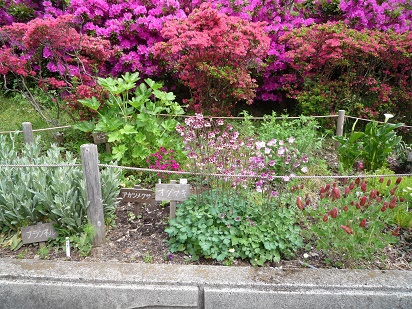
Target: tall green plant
{"type": "Point", "coordinates": [372, 147]}
{"type": "Point", "coordinates": [131, 117]}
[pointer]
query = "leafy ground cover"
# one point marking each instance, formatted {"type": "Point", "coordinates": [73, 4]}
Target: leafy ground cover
{"type": "Point", "coordinates": [140, 236]}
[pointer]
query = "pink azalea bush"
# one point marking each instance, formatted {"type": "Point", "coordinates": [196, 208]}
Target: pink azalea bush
{"type": "Point", "coordinates": [213, 54]}
{"type": "Point", "coordinates": [51, 54]}
{"type": "Point", "coordinates": [134, 27]}
{"type": "Point", "coordinates": [364, 72]}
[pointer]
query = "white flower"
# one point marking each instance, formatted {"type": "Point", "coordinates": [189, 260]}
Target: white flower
{"type": "Point", "coordinates": [387, 117]}
{"type": "Point", "coordinates": [260, 145]}
{"type": "Point", "coordinates": [304, 169]}
{"type": "Point", "coordinates": [231, 250]}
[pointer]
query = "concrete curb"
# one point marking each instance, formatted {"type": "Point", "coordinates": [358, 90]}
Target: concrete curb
{"type": "Point", "coordinates": [65, 284]}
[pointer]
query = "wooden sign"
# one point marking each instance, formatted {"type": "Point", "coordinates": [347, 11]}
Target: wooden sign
{"type": "Point", "coordinates": [38, 233]}
{"type": "Point", "coordinates": [99, 137]}
{"type": "Point", "coordinates": [136, 195]}
{"type": "Point", "coordinates": [172, 192]}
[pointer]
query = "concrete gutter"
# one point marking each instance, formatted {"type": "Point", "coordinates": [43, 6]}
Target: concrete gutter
{"type": "Point", "coordinates": [64, 284]}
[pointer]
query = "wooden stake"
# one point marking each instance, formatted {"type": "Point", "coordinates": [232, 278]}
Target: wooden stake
{"type": "Point", "coordinates": [94, 191]}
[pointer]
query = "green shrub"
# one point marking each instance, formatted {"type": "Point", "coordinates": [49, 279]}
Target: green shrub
{"type": "Point", "coordinates": [131, 118]}
{"type": "Point", "coordinates": [226, 227]}
{"type": "Point", "coordinates": [46, 194]}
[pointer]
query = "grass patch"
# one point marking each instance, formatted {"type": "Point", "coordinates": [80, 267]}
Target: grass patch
{"type": "Point", "coordinates": [14, 111]}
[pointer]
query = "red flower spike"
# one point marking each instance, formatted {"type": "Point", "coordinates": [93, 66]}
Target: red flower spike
{"type": "Point", "coordinates": [392, 203]}
{"type": "Point", "coordinates": [347, 191]}
{"type": "Point", "coordinates": [379, 199]}
{"type": "Point", "coordinates": [381, 179]}
{"type": "Point", "coordinates": [352, 203]}
{"type": "Point", "coordinates": [327, 187]}
{"type": "Point", "coordinates": [334, 185]}
{"type": "Point", "coordinates": [336, 193]}
{"type": "Point", "coordinates": [357, 206]}
{"type": "Point", "coordinates": [392, 191]}
{"type": "Point", "coordinates": [325, 218]}
{"type": "Point", "coordinates": [334, 213]}
{"type": "Point", "coordinates": [372, 194]}
{"type": "Point", "coordinates": [299, 203]}
{"type": "Point", "coordinates": [362, 223]}
{"type": "Point", "coordinates": [345, 181]}
{"type": "Point", "coordinates": [395, 232]}
{"type": "Point", "coordinates": [388, 183]}
{"type": "Point", "coordinates": [398, 180]}
{"type": "Point", "coordinates": [347, 229]}
{"type": "Point", "coordinates": [363, 200]}
{"type": "Point", "coordinates": [363, 187]}
{"type": "Point", "coordinates": [345, 208]}
{"type": "Point", "coordinates": [322, 195]}
{"type": "Point", "coordinates": [352, 185]}
{"type": "Point", "coordinates": [322, 190]}
{"type": "Point", "coordinates": [383, 209]}
{"type": "Point", "coordinates": [401, 199]}
{"type": "Point", "coordinates": [357, 181]}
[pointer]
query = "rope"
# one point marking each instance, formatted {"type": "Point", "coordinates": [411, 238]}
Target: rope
{"type": "Point", "coordinates": [253, 118]}
{"type": "Point", "coordinates": [211, 117]}
{"type": "Point", "coordinates": [39, 165]}
{"type": "Point", "coordinates": [248, 176]}
{"type": "Point", "coordinates": [205, 174]}
{"type": "Point", "coordinates": [37, 130]}
{"type": "Point", "coordinates": [363, 119]}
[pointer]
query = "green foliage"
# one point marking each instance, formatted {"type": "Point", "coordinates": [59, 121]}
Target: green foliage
{"type": "Point", "coordinates": [14, 110]}
{"type": "Point", "coordinates": [304, 130]}
{"type": "Point", "coordinates": [224, 227]}
{"type": "Point", "coordinates": [354, 225]}
{"type": "Point", "coordinates": [130, 117]}
{"type": "Point", "coordinates": [372, 147]}
{"type": "Point", "coordinates": [148, 258]}
{"type": "Point", "coordinates": [110, 181]}
{"type": "Point", "coordinates": [45, 194]}
{"type": "Point", "coordinates": [83, 241]}
{"type": "Point", "coordinates": [402, 214]}
{"type": "Point", "coordinates": [43, 252]}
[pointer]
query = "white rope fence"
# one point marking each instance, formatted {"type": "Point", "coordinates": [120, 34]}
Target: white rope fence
{"type": "Point", "coordinates": [205, 174]}
{"type": "Point", "coordinates": [215, 117]}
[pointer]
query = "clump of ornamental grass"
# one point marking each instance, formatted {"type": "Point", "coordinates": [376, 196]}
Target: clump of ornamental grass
{"type": "Point", "coordinates": [354, 222]}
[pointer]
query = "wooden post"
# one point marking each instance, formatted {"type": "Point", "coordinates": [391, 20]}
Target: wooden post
{"type": "Point", "coordinates": [172, 214]}
{"type": "Point", "coordinates": [339, 127]}
{"type": "Point", "coordinates": [94, 191]}
{"type": "Point", "coordinates": [28, 132]}
{"type": "Point", "coordinates": [341, 120]}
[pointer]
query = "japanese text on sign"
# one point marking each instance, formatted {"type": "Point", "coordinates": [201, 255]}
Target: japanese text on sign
{"type": "Point", "coordinates": [172, 192]}
{"type": "Point", "coordinates": [99, 137]}
{"type": "Point", "coordinates": [38, 233]}
{"type": "Point", "coordinates": [136, 195]}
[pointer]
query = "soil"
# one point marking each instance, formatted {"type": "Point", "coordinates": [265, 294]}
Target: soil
{"type": "Point", "coordinates": [142, 238]}
{"type": "Point", "coordinates": [138, 236]}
